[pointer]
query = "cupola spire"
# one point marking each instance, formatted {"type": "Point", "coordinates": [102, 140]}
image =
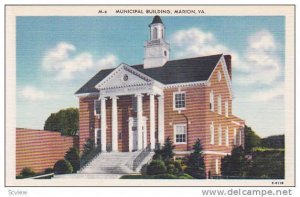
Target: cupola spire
{"type": "Point", "coordinates": [156, 49]}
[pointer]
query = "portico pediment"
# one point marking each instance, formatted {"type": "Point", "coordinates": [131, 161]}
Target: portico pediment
{"type": "Point", "coordinates": [124, 76]}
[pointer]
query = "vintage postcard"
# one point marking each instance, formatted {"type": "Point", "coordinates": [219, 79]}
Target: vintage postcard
{"type": "Point", "coordinates": [150, 95]}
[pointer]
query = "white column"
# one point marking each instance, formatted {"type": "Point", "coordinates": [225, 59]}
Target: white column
{"type": "Point", "coordinates": [130, 134]}
{"type": "Point", "coordinates": [114, 124]}
{"type": "Point", "coordinates": [161, 120]}
{"type": "Point", "coordinates": [139, 120]}
{"type": "Point", "coordinates": [152, 122]}
{"type": "Point", "coordinates": [103, 125]}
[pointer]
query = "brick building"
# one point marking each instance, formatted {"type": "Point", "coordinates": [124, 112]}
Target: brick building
{"type": "Point", "coordinates": [131, 107]}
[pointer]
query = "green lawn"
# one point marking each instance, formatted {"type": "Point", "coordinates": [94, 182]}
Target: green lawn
{"type": "Point", "coordinates": [159, 176]}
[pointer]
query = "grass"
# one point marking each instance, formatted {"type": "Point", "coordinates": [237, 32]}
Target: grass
{"type": "Point", "coordinates": [159, 176]}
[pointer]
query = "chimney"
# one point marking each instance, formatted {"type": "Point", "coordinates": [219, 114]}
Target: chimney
{"type": "Point", "coordinates": [228, 64]}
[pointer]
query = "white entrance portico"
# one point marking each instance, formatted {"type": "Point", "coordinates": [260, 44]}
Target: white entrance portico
{"type": "Point", "coordinates": [125, 80]}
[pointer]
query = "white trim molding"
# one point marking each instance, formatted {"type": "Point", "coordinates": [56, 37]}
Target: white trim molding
{"type": "Point", "coordinates": [237, 123]}
{"type": "Point", "coordinates": [87, 94]}
{"type": "Point", "coordinates": [175, 85]}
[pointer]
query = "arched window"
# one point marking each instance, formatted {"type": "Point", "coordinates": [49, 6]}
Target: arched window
{"type": "Point", "coordinates": [162, 33]}
{"type": "Point", "coordinates": [154, 33]}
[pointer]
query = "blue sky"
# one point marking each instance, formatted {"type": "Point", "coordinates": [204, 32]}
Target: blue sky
{"type": "Point", "coordinates": [57, 55]}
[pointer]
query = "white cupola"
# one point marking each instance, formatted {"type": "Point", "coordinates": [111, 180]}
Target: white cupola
{"type": "Point", "coordinates": [156, 49]}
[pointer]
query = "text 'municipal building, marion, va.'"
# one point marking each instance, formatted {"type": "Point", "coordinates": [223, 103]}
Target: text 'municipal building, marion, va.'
{"type": "Point", "coordinates": [132, 107]}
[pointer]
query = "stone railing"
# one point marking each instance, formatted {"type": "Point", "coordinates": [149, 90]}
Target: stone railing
{"type": "Point", "coordinates": [140, 158]}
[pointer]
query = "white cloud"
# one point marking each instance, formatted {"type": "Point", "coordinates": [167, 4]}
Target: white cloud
{"type": "Point", "coordinates": [65, 63]}
{"type": "Point", "coordinates": [269, 94]}
{"type": "Point", "coordinates": [261, 60]}
{"type": "Point", "coordinates": [259, 64]}
{"type": "Point", "coordinates": [195, 42]}
{"type": "Point", "coordinates": [33, 94]}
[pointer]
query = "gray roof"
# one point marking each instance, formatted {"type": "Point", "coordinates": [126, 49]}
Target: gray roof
{"type": "Point", "coordinates": [156, 19]}
{"type": "Point", "coordinates": [174, 71]}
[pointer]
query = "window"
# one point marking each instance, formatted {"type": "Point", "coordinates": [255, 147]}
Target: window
{"type": "Point", "coordinates": [134, 104]}
{"type": "Point", "coordinates": [162, 33]}
{"type": "Point", "coordinates": [217, 166]}
{"type": "Point", "coordinates": [234, 136]}
{"type": "Point", "coordinates": [179, 100]}
{"type": "Point", "coordinates": [219, 104]}
{"type": "Point", "coordinates": [120, 136]}
{"type": "Point", "coordinates": [219, 76]}
{"type": "Point", "coordinates": [211, 101]}
{"type": "Point", "coordinates": [226, 137]}
{"type": "Point", "coordinates": [226, 108]}
{"type": "Point", "coordinates": [220, 135]}
{"type": "Point", "coordinates": [154, 33]}
{"type": "Point", "coordinates": [212, 133]}
{"type": "Point", "coordinates": [180, 133]}
{"type": "Point", "coordinates": [97, 107]}
{"type": "Point", "coordinates": [97, 136]}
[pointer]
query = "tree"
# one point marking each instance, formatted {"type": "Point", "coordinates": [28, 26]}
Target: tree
{"type": "Point", "coordinates": [167, 150]}
{"type": "Point", "coordinates": [236, 164]}
{"type": "Point", "coordinates": [65, 121]}
{"type": "Point", "coordinates": [72, 155]}
{"type": "Point", "coordinates": [195, 163]}
{"type": "Point", "coordinates": [275, 141]}
{"type": "Point", "coordinates": [252, 140]}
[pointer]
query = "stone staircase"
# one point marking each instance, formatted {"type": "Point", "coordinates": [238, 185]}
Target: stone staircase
{"type": "Point", "coordinates": [111, 165]}
{"type": "Point", "coordinates": [114, 163]}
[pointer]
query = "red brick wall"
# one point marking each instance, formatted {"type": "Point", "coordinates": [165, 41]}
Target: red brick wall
{"type": "Point", "coordinates": [40, 149]}
{"type": "Point", "coordinates": [86, 120]}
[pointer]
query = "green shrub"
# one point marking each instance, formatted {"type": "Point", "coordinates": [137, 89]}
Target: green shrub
{"type": "Point", "coordinates": [27, 172]}
{"type": "Point", "coordinates": [185, 176]}
{"type": "Point", "coordinates": [88, 147]}
{"type": "Point", "coordinates": [48, 170]}
{"type": "Point", "coordinates": [156, 167]}
{"type": "Point", "coordinates": [72, 156]}
{"type": "Point", "coordinates": [144, 169]}
{"type": "Point", "coordinates": [171, 169]}
{"type": "Point", "coordinates": [63, 167]}
{"type": "Point", "coordinates": [157, 156]}
{"type": "Point", "coordinates": [165, 176]}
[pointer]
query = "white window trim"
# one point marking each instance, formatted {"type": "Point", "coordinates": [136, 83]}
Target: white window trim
{"type": "Point", "coordinates": [220, 135]}
{"type": "Point", "coordinates": [217, 166]}
{"type": "Point", "coordinates": [226, 109]}
{"type": "Point", "coordinates": [220, 104]}
{"type": "Point", "coordinates": [95, 111]}
{"type": "Point", "coordinates": [212, 101]}
{"type": "Point", "coordinates": [234, 136]}
{"type": "Point", "coordinates": [174, 133]}
{"type": "Point", "coordinates": [212, 133]}
{"type": "Point", "coordinates": [227, 136]}
{"type": "Point", "coordinates": [174, 105]}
